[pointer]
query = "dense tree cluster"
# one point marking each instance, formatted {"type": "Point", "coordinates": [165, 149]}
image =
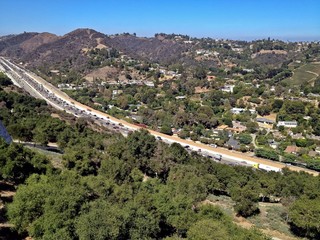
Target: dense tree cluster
{"type": "Point", "coordinates": [146, 189]}
{"type": "Point", "coordinates": [18, 163]}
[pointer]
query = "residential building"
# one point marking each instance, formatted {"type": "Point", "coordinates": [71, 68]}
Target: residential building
{"type": "Point", "coordinates": [228, 88]}
{"type": "Point", "coordinates": [288, 124]}
{"type": "Point", "coordinates": [273, 144]}
{"type": "Point", "coordinates": [180, 97]}
{"type": "Point", "coordinates": [233, 143]}
{"type": "Point", "coordinates": [292, 149]}
{"type": "Point", "coordinates": [265, 120]}
{"type": "Point", "coordinates": [241, 110]}
{"type": "Point", "coordinates": [237, 125]}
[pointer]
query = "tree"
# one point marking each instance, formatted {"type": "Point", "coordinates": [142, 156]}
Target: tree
{"type": "Point", "coordinates": [4, 80]}
{"type": "Point", "coordinates": [200, 73]}
{"type": "Point", "coordinates": [277, 105]}
{"type": "Point", "coordinates": [166, 129]}
{"type": "Point", "coordinates": [17, 162]}
{"type": "Point", "coordinates": [22, 212]}
{"type": "Point", "coordinates": [252, 127]}
{"type": "Point", "coordinates": [246, 199]}
{"type": "Point", "coordinates": [245, 138]}
{"type": "Point", "coordinates": [294, 107]}
{"type": "Point", "coordinates": [46, 207]}
{"type": "Point", "coordinates": [207, 230]}
{"type": "Point", "coordinates": [267, 153]}
{"type": "Point", "coordinates": [227, 120]}
{"type": "Point", "coordinates": [141, 144]}
{"type": "Point", "coordinates": [316, 129]}
{"type": "Point", "coordinates": [122, 102]}
{"type": "Point", "coordinates": [304, 217]}
{"type": "Point", "coordinates": [264, 110]}
{"type": "Point", "coordinates": [101, 220]}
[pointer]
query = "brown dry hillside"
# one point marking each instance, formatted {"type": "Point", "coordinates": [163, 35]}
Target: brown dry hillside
{"type": "Point", "coordinates": [67, 49]}
{"type": "Point", "coordinates": [21, 49]}
{"type": "Point", "coordinates": [13, 41]}
{"type": "Point", "coordinates": [151, 49]}
{"type": "Point", "coordinates": [270, 57]}
{"type": "Point", "coordinates": [70, 50]}
{"type": "Point", "coordinates": [38, 40]}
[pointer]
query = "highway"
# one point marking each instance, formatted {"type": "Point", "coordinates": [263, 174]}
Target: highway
{"type": "Point", "coordinates": [40, 88]}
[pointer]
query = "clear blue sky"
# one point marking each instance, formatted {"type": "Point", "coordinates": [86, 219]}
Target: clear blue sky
{"type": "Point", "coordinates": [235, 19]}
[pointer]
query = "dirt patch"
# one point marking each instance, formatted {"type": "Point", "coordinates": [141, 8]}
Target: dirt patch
{"type": "Point", "coordinates": [272, 116]}
{"type": "Point", "coordinates": [240, 221]}
{"type": "Point", "coordinates": [55, 115]}
{"type": "Point", "coordinates": [269, 221]}
{"type": "Point", "coordinates": [201, 90]}
{"type": "Point", "coordinates": [104, 73]}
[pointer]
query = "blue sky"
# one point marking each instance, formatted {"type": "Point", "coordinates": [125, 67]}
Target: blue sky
{"type": "Point", "coordinates": [234, 19]}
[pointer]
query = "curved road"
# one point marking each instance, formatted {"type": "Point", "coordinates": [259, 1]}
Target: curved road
{"type": "Point", "coordinates": [225, 153]}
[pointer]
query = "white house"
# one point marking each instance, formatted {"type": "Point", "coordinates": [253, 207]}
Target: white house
{"type": "Point", "coordinates": [228, 88]}
{"type": "Point", "coordinates": [240, 110]}
{"type": "Point", "coordinates": [289, 124]}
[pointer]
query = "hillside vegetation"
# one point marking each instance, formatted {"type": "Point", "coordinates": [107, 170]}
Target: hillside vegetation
{"type": "Point", "coordinates": [304, 75]}
{"type": "Point", "coordinates": [113, 187]}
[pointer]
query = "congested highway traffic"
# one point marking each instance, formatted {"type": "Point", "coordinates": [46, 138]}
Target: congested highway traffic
{"type": "Point", "coordinates": [38, 87]}
{"type": "Point", "coordinates": [24, 80]}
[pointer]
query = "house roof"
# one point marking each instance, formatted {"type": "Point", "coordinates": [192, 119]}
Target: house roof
{"type": "Point", "coordinates": [266, 120]}
{"type": "Point", "coordinates": [292, 149]}
{"type": "Point", "coordinates": [312, 153]}
{"type": "Point", "coordinates": [233, 143]}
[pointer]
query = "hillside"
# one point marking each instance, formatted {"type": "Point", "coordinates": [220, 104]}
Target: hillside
{"type": "Point", "coordinates": [68, 50]}
{"type": "Point", "coordinates": [47, 51]}
{"type": "Point", "coordinates": [13, 41]}
{"type": "Point", "coordinates": [150, 49]}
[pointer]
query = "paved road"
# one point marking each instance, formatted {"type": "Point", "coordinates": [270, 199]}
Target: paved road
{"type": "Point", "coordinates": [61, 100]}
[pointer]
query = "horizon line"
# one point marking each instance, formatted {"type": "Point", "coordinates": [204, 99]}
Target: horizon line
{"type": "Point", "coordinates": [231, 38]}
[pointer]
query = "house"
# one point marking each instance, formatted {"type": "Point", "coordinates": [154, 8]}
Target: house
{"type": "Point", "coordinates": [237, 125]}
{"type": "Point", "coordinates": [297, 136]}
{"type": "Point", "coordinates": [249, 70]}
{"type": "Point", "coordinates": [265, 120]}
{"type": "Point", "coordinates": [289, 124]}
{"type": "Point", "coordinates": [277, 134]}
{"type": "Point", "coordinates": [237, 110]}
{"type": "Point", "coordinates": [233, 143]}
{"type": "Point", "coordinates": [116, 92]}
{"type": "Point", "coordinates": [314, 137]}
{"type": "Point", "coordinates": [273, 144]}
{"type": "Point", "coordinates": [149, 83]}
{"type": "Point", "coordinates": [228, 88]}
{"type": "Point", "coordinates": [312, 153]}
{"type": "Point", "coordinates": [292, 149]}
{"type": "Point", "coordinates": [180, 97]}
{"type": "Point", "coordinates": [240, 110]}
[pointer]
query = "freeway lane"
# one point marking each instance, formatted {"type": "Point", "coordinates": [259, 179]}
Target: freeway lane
{"type": "Point", "coordinates": [225, 153]}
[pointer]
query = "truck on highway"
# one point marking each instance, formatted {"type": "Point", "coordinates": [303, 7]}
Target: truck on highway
{"type": "Point", "coordinates": [266, 167]}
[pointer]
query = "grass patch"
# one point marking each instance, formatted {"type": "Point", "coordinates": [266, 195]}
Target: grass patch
{"type": "Point", "coordinates": [54, 158]}
{"type": "Point", "coordinates": [272, 216]}
{"type": "Point", "coordinates": [271, 219]}
{"type": "Point", "coordinates": [301, 75]}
